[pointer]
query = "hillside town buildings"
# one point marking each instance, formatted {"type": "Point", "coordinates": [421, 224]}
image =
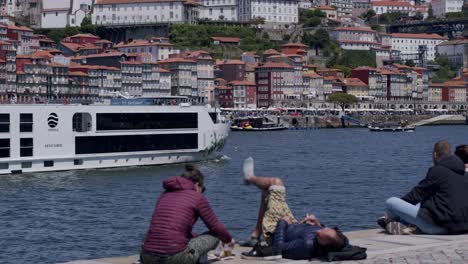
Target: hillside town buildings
{"type": "Point", "coordinates": [410, 44]}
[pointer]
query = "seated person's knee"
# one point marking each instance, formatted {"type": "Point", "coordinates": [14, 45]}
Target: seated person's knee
{"type": "Point", "coordinates": [277, 181]}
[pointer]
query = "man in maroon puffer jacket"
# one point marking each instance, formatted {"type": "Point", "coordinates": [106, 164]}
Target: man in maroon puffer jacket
{"type": "Point", "coordinates": [169, 238]}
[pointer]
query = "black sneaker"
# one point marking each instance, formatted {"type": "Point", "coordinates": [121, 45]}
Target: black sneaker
{"type": "Point", "coordinates": [262, 253]}
{"type": "Point", "coordinates": [382, 221]}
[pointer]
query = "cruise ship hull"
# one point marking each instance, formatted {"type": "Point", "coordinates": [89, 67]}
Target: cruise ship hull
{"type": "Point", "coordinates": [40, 138]}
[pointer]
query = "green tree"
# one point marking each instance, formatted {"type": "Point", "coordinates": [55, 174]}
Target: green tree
{"type": "Point", "coordinates": [342, 99]}
{"type": "Point", "coordinates": [312, 22]}
{"type": "Point", "coordinates": [454, 15]}
{"type": "Point", "coordinates": [368, 15]}
{"type": "Point", "coordinates": [445, 71]}
{"type": "Point", "coordinates": [377, 27]}
{"type": "Point", "coordinates": [346, 70]}
{"type": "Point", "coordinates": [319, 40]}
{"type": "Point", "coordinates": [87, 26]}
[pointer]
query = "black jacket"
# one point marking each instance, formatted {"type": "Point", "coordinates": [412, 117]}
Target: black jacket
{"type": "Point", "coordinates": [443, 195]}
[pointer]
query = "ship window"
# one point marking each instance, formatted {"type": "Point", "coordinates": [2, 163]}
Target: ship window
{"type": "Point", "coordinates": [137, 121]}
{"type": "Point", "coordinates": [26, 147]}
{"type": "Point", "coordinates": [26, 122]}
{"type": "Point", "coordinates": [26, 165]}
{"type": "Point", "coordinates": [82, 122]}
{"type": "Point", "coordinates": [131, 143]}
{"type": "Point", "coordinates": [4, 166]}
{"type": "Point", "coordinates": [4, 148]}
{"type": "Point", "coordinates": [78, 162]}
{"type": "Point", "coordinates": [48, 163]}
{"type": "Point", "coordinates": [5, 123]}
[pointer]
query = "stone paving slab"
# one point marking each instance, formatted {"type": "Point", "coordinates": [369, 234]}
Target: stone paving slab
{"type": "Point", "coordinates": [381, 249]}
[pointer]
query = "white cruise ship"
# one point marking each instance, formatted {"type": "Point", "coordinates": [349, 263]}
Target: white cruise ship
{"type": "Point", "coordinates": [37, 138]}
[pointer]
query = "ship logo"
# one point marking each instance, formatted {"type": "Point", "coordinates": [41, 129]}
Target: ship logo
{"type": "Point", "coordinates": [52, 120]}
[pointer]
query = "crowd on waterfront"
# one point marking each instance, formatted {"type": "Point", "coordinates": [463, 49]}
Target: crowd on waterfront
{"type": "Point", "coordinates": [436, 205]}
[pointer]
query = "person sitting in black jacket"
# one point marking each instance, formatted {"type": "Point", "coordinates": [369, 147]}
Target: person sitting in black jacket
{"type": "Point", "coordinates": [438, 204]}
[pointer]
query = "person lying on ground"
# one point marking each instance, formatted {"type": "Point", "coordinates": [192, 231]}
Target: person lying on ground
{"type": "Point", "coordinates": [283, 236]}
{"type": "Point", "coordinates": [462, 152]}
{"type": "Point", "coordinates": [169, 239]}
{"type": "Point", "coordinates": [438, 204]}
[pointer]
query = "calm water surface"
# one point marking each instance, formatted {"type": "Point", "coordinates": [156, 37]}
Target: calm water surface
{"type": "Point", "coordinates": [342, 176]}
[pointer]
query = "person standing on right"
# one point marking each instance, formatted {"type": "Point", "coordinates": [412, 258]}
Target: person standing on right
{"type": "Point", "coordinates": [438, 204]}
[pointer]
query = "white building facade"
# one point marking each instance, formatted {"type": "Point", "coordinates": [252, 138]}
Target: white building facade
{"type": "Point", "coordinates": [273, 11]}
{"type": "Point", "coordinates": [219, 10]}
{"type": "Point", "coordinates": [441, 7]}
{"type": "Point", "coordinates": [59, 14]}
{"type": "Point", "coordinates": [118, 12]}
{"type": "Point", "coordinates": [409, 44]}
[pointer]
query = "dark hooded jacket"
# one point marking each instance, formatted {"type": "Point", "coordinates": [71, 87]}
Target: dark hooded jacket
{"type": "Point", "coordinates": [443, 195]}
{"type": "Point", "coordinates": [175, 213]}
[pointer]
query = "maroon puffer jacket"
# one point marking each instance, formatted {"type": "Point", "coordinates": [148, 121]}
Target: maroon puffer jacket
{"type": "Point", "coordinates": [174, 216]}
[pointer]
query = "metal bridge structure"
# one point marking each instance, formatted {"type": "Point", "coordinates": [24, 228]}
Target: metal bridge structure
{"type": "Point", "coordinates": [449, 28]}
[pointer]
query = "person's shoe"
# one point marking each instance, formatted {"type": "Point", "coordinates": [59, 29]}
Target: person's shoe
{"type": "Point", "coordinates": [248, 169]}
{"type": "Point", "coordinates": [397, 228]}
{"type": "Point", "coordinates": [260, 252]}
{"type": "Point", "coordinates": [382, 221]}
{"type": "Point", "coordinates": [251, 242]}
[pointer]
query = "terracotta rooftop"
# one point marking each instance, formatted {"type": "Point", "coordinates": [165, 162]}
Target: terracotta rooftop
{"type": "Point", "coordinates": [174, 60]}
{"type": "Point", "coordinates": [85, 36]}
{"type": "Point", "coordinates": [327, 7]}
{"type": "Point", "coordinates": [355, 82]}
{"type": "Point", "coordinates": [390, 3]}
{"type": "Point", "coordinates": [20, 28]}
{"type": "Point", "coordinates": [271, 52]}
{"type": "Point", "coordinates": [228, 62]}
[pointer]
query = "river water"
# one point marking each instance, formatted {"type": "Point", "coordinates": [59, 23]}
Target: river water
{"type": "Point", "coordinates": [343, 176]}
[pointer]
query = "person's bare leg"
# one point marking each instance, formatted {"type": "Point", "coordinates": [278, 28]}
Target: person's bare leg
{"type": "Point", "coordinates": [263, 183]}
{"type": "Point", "coordinates": [261, 212]}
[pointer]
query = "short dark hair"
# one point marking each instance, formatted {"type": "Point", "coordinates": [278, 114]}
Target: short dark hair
{"type": "Point", "coordinates": [193, 174]}
{"type": "Point", "coordinates": [443, 149]}
{"type": "Point", "coordinates": [462, 152]}
{"type": "Point", "coordinates": [340, 241]}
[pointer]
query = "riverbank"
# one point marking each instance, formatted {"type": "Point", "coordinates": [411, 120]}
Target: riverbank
{"type": "Point", "coordinates": [334, 121]}
{"type": "Point", "coordinates": [381, 248]}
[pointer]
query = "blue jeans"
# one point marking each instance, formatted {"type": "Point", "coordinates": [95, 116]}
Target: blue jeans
{"type": "Point", "coordinates": [408, 213]}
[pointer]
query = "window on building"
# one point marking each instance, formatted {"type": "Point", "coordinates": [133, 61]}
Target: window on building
{"type": "Point", "coordinates": [56, 13]}
{"type": "Point", "coordinates": [4, 148]}
{"type": "Point", "coordinates": [4, 123]}
{"type": "Point", "coordinates": [26, 147]}
{"type": "Point", "coordinates": [171, 14]}
{"type": "Point", "coordinates": [26, 122]}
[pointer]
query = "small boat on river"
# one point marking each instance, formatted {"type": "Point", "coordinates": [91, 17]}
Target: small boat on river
{"type": "Point", "coordinates": [256, 124]}
{"type": "Point", "coordinates": [392, 129]}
